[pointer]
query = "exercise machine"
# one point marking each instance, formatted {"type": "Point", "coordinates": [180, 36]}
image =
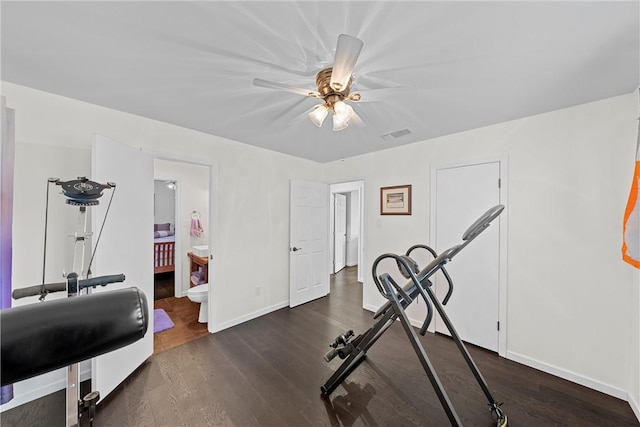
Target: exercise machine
{"type": "Point", "coordinates": [353, 350]}
{"type": "Point", "coordinates": [65, 332]}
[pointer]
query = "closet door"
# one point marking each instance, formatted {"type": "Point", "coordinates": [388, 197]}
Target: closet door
{"type": "Point", "coordinates": [462, 194]}
{"type": "Point", "coordinates": [126, 246]}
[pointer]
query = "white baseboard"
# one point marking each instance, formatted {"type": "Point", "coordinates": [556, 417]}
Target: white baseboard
{"type": "Point", "coordinates": [42, 386]}
{"type": "Point", "coordinates": [569, 375]}
{"type": "Point", "coordinates": [370, 308]}
{"type": "Point", "coordinates": [33, 393]}
{"type": "Point", "coordinates": [635, 407]}
{"type": "Point", "coordinates": [250, 316]}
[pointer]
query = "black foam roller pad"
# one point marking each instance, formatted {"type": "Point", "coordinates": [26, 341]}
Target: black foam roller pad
{"type": "Point", "coordinates": [44, 336]}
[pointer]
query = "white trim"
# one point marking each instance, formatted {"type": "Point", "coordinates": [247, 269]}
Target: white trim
{"type": "Point", "coordinates": [250, 316]}
{"type": "Point", "coordinates": [370, 308]}
{"type": "Point", "coordinates": [635, 407]}
{"type": "Point", "coordinates": [569, 375]}
{"type": "Point", "coordinates": [502, 161]}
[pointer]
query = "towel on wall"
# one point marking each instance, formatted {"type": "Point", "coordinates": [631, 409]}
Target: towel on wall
{"type": "Point", "coordinates": [196, 227]}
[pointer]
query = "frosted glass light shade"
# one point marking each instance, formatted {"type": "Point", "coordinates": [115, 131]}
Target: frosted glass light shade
{"type": "Point", "coordinates": [318, 114]}
{"type": "Point", "coordinates": [342, 113]}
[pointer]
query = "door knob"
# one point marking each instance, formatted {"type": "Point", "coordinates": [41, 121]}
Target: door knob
{"type": "Point", "coordinates": [296, 249]}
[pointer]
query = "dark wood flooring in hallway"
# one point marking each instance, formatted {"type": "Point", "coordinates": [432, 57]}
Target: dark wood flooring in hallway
{"type": "Point", "coordinates": [268, 372]}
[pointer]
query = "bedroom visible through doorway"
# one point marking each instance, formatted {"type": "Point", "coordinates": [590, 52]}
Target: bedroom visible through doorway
{"type": "Point", "coordinates": [182, 193]}
{"type": "Point", "coordinates": [164, 236]}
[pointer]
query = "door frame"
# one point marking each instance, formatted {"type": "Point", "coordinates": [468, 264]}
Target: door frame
{"type": "Point", "coordinates": [346, 187]}
{"type": "Point", "coordinates": [214, 300]}
{"type": "Point", "coordinates": [502, 160]}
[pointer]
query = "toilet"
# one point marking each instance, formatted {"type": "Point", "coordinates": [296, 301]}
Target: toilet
{"type": "Point", "coordinates": [200, 294]}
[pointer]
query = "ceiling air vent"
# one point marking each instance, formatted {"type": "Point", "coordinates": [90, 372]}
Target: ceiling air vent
{"type": "Point", "coordinates": [397, 134]}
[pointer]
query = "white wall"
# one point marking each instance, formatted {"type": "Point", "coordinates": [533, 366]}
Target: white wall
{"type": "Point", "coordinates": [252, 187]}
{"type": "Point", "coordinates": [571, 309]}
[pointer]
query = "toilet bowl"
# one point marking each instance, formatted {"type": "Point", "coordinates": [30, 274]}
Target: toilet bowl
{"type": "Point", "coordinates": [200, 294]}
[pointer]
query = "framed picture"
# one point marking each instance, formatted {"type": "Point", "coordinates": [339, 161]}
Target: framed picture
{"type": "Point", "coordinates": [395, 200]}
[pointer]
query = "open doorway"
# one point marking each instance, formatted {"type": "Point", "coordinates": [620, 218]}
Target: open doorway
{"type": "Point", "coordinates": [347, 226]}
{"type": "Point", "coordinates": [182, 196]}
{"type": "Point", "coordinates": [164, 238]}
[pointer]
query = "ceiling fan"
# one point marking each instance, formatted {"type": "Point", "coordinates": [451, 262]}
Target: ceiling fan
{"type": "Point", "coordinates": [333, 85]}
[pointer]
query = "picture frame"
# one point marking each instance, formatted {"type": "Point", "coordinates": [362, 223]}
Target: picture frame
{"type": "Point", "coordinates": [395, 200]}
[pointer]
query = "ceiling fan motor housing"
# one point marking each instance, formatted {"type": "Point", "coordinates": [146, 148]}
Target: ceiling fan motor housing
{"type": "Point", "coordinates": [329, 94]}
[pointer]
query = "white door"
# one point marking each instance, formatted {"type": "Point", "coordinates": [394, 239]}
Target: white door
{"type": "Point", "coordinates": [462, 195]}
{"type": "Point", "coordinates": [339, 232]}
{"type": "Point", "coordinates": [126, 246]}
{"type": "Point", "coordinates": [309, 242]}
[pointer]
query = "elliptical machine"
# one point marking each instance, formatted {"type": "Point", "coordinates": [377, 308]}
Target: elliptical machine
{"type": "Point", "coordinates": [354, 350]}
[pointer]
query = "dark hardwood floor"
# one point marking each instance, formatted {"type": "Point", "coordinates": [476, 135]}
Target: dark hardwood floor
{"type": "Point", "coordinates": [182, 311]}
{"type": "Point", "coordinates": [268, 372]}
{"type": "Point", "coordinates": [163, 285]}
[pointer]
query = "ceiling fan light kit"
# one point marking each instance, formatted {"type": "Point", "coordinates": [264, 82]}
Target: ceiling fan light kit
{"type": "Point", "coordinates": [342, 113]}
{"type": "Point", "coordinates": [334, 85]}
{"type": "Point", "coordinates": [318, 114]}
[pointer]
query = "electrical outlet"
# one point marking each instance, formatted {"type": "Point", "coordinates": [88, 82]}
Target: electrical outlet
{"type": "Point", "coordinates": [258, 291]}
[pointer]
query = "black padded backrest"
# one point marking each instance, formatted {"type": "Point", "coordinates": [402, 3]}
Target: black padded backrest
{"type": "Point", "coordinates": [44, 336]}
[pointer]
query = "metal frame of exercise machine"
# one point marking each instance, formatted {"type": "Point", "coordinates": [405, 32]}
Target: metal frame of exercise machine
{"type": "Point", "coordinates": [354, 351]}
{"type": "Point", "coordinates": [82, 193]}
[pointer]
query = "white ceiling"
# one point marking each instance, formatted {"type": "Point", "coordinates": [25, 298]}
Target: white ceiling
{"type": "Point", "coordinates": [459, 65]}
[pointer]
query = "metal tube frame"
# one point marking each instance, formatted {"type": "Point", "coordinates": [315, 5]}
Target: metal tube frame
{"type": "Point", "coordinates": [419, 285]}
{"type": "Point", "coordinates": [73, 371]}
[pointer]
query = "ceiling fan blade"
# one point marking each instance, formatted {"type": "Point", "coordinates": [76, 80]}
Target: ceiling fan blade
{"type": "Point", "coordinates": [357, 121]}
{"type": "Point", "coordinates": [385, 94]}
{"type": "Point", "coordinates": [285, 87]}
{"type": "Point", "coordinates": [347, 53]}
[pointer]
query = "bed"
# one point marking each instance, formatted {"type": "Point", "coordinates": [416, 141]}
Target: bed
{"type": "Point", "coordinates": [164, 244]}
